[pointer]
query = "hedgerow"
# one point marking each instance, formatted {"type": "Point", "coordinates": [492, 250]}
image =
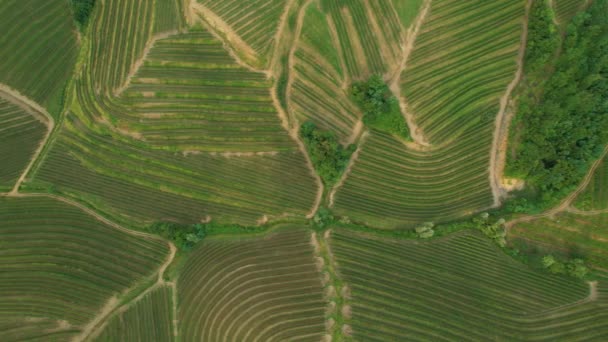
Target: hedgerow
{"type": "Point", "coordinates": [82, 11]}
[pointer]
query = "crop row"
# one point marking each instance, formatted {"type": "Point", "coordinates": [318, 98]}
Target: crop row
{"type": "Point", "coordinates": [162, 185]}
{"type": "Point", "coordinates": [261, 289]}
{"type": "Point", "coordinates": [60, 264]}
{"type": "Point", "coordinates": [38, 49]}
{"type": "Point", "coordinates": [20, 134]}
{"type": "Point", "coordinates": [464, 58]}
{"type": "Point", "coordinates": [255, 21]}
{"type": "Point", "coordinates": [391, 186]}
{"type": "Point", "coordinates": [460, 288]}
{"type": "Point", "coordinates": [168, 16]}
{"type": "Point", "coordinates": [148, 319]}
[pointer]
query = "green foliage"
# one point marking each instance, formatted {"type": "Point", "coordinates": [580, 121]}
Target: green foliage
{"type": "Point", "coordinates": [282, 83]}
{"type": "Point", "coordinates": [328, 156]}
{"type": "Point", "coordinates": [322, 219]}
{"type": "Point", "coordinates": [185, 236]}
{"type": "Point", "coordinates": [543, 37]}
{"type": "Point", "coordinates": [425, 231]}
{"type": "Point", "coordinates": [495, 230]}
{"type": "Point", "coordinates": [380, 107]}
{"type": "Point", "coordinates": [574, 267]}
{"type": "Point", "coordinates": [82, 10]}
{"type": "Point", "coordinates": [564, 128]}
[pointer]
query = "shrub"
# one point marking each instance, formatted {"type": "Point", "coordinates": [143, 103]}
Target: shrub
{"type": "Point", "coordinates": [82, 10]}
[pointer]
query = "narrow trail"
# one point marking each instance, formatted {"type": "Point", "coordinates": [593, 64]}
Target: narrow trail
{"type": "Point", "coordinates": [231, 39]}
{"type": "Point", "coordinates": [40, 114]}
{"type": "Point", "coordinates": [395, 82]}
{"type": "Point", "coordinates": [503, 120]}
{"type": "Point", "coordinates": [293, 128]}
{"type": "Point", "coordinates": [349, 167]}
{"type": "Point", "coordinates": [577, 211]}
{"type": "Point", "coordinates": [279, 34]}
{"type": "Point", "coordinates": [565, 205]}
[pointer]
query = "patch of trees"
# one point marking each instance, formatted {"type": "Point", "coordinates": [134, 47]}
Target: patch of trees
{"type": "Point", "coordinates": [328, 156]}
{"type": "Point", "coordinates": [574, 267]}
{"type": "Point", "coordinates": [563, 117]}
{"type": "Point", "coordinates": [495, 230]}
{"type": "Point", "coordinates": [184, 236]}
{"type": "Point", "coordinates": [543, 37]}
{"type": "Point", "coordinates": [82, 11]}
{"type": "Point", "coordinates": [380, 107]}
{"type": "Point", "coordinates": [425, 230]}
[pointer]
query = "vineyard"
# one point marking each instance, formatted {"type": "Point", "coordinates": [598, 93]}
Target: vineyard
{"type": "Point", "coordinates": [38, 49]}
{"type": "Point", "coordinates": [459, 288]}
{"type": "Point", "coordinates": [149, 319]}
{"type": "Point", "coordinates": [59, 267]}
{"type": "Point", "coordinates": [265, 289]}
{"type": "Point", "coordinates": [300, 170]}
{"type": "Point", "coordinates": [20, 136]}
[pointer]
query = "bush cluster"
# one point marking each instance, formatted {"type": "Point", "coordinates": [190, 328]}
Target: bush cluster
{"type": "Point", "coordinates": [328, 156]}
{"type": "Point", "coordinates": [82, 10]}
{"type": "Point", "coordinates": [380, 107]}
{"type": "Point", "coordinates": [575, 267]}
{"type": "Point", "coordinates": [564, 124]}
{"type": "Point", "coordinates": [185, 236]}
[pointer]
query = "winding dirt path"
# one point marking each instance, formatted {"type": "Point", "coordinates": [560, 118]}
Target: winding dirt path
{"type": "Point", "coordinates": [504, 117]}
{"type": "Point", "coordinates": [395, 82]}
{"type": "Point", "coordinates": [565, 205]}
{"type": "Point", "coordinates": [40, 114]}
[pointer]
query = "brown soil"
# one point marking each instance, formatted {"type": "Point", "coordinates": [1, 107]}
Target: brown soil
{"type": "Point", "coordinates": [503, 120]}
{"type": "Point", "coordinates": [281, 31]}
{"type": "Point", "coordinates": [386, 49]}
{"type": "Point", "coordinates": [395, 83]}
{"type": "Point", "coordinates": [106, 310]}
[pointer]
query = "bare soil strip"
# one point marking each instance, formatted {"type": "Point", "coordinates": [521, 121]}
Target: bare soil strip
{"type": "Point", "coordinates": [395, 82]}
{"type": "Point", "coordinates": [227, 33]}
{"type": "Point", "coordinates": [336, 42]}
{"type": "Point", "coordinates": [565, 205]}
{"type": "Point", "coordinates": [276, 55]}
{"type": "Point", "coordinates": [500, 139]}
{"type": "Point", "coordinates": [348, 169]}
{"type": "Point", "coordinates": [355, 39]}
{"type": "Point", "coordinates": [40, 114]}
{"type": "Point", "coordinates": [385, 47]}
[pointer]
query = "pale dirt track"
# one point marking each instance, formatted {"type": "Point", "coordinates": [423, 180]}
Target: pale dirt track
{"type": "Point", "coordinates": [503, 120]}
{"type": "Point", "coordinates": [39, 113]}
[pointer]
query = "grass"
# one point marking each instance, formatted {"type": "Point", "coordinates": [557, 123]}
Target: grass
{"type": "Point", "coordinates": [595, 196]}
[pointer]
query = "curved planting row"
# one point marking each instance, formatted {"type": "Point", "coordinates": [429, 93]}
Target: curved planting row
{"type": "Point", "coordinates": [255, 21]}
{"type": "Point", "coordinates": [458, 288]}
{"type": "Point", "coordinates": [191, 95]}
{"type": "Point", "coordinates": [261, 289]}
{"type": "Point", "coordinates": [463, 59]}
{"type": "Point", "coordinates": [20, 135]}
{"type": "Point", "coordinates": [59, 265]}
{"type": "Point", "coordinates": [38, 48]}
{"type": "Point", "coordinates": [393, 186]}
{"type": "Point", "coordinates": [595, 195]}
{"type": "Point", "coordinates": [142, 185]}
{"type": "Point", "coordinates": [566, 9]}
{"type": "Point", "coordinates": [148, 319]}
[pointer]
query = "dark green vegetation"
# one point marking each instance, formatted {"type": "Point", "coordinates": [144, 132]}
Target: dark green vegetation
{"type": "Point", "coordinates": [328, 156]}
{"type": "Point", "coordinates": [562, 119]}
{"type": "Point", "coordinates": [183, 236]}
{"type": "Point", "coordinates": [82, 11]}
{"type": "Point", "coordinates": [380, 107]}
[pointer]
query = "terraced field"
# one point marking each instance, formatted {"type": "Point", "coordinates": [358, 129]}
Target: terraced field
{"type": "Point", "coordinates": [595, 195]}
{"type": "Point", "coordinates": [257, 289]}
{"type": "Point", "coordinates": [38, 49]}
{"type": "Point", "coordinates": [566, 9]}
{"type": "Point", "coordinates": [463, 60]}
{"type": "Point", "coordinates": [567, 235]}
{"type": "Point", "coordinates": [20, 136]}
{"type": "Point", "coordinates": [458, 288]}
{"type": "Point", "coordinates": [59, 267]}
{"type": "Point", "coordinates": [254, 21]}
{"type": "Point", "coordinates": [148, 319]}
